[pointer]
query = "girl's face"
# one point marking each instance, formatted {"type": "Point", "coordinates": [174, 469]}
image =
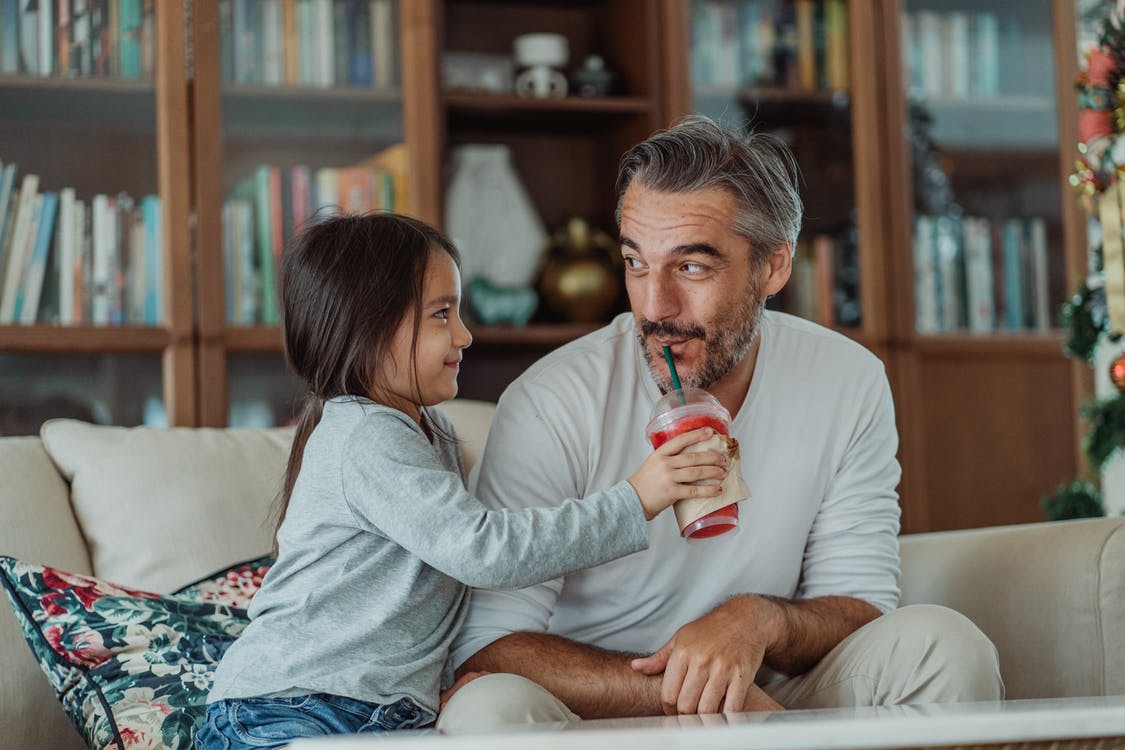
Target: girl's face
{"type": "Point", "coordinates": [441, 337]}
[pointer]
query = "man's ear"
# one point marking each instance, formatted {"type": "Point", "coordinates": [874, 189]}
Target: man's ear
{"type": "Point", "coordinates": [777, 270]}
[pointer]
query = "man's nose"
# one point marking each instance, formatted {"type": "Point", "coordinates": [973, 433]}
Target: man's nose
{"type": "Point", "coordinates": [661, 298]}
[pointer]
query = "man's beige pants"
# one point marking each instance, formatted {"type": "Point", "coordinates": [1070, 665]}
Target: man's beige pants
{"type": "Point", "coordinates": [917, 654]}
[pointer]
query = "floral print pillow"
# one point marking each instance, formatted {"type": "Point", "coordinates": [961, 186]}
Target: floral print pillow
{"type": "Point", "coordinates": [234, 586]}
{"type": "Point", "coordinates": [131, 668]}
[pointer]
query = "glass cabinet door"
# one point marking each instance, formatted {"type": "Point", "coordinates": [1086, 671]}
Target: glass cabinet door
{"type": "Point", "coordinates": [983, 142]}
{"type": "Point", "coordinates": [84, 314]}
{"type": "Point", "coordinates": [309, 124]}
{"type": "Point", "coordinates": [782, 67]}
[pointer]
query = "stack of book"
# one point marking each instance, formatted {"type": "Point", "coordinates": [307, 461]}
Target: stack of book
{"type": "Point", "coordinates": [952, 55]}
{"type": "Point", "coordinates": [68, 261]}
{"type": "Point", "coordinates": [321, 43]}
{"type": "Point", "coordinates": [824, 286]}
{"type": "Point", "coordinates": [800, 45]}
{"type": "Point", "coordinates": [980, 274]}
{"type": "Point", "coordinates": [267, 208]}
{"type": "Point", "coordinates": [84, 38]}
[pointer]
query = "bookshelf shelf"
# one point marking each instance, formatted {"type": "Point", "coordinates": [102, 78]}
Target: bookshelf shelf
{"type": "Point", "coordinates": [497, 104]}
{"type": "Point", "coordinates": [312, 113]}
{"type": "Point", "coordinates": [997, 344]}
{"type": "Point", "coordinates": [542, 334]}
{"type": "Point", "coordinates": [253, 339]}
{"type": "Point", "coordinates": [84, 339]}
{"type": "Point", "coordinates": [108, 103]}
{"type": "Point", "coordinates": [69, 84]}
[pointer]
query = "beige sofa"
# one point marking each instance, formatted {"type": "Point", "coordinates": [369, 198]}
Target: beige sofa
{"type": "Point", "coordinates": [156, 509]}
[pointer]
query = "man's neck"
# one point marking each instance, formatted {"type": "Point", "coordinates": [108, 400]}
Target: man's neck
{"type": "Point", "coordinates": [731, 390]}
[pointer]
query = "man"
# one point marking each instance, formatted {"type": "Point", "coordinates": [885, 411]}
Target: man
{"type": "Point", "coordinates": [796, 609]}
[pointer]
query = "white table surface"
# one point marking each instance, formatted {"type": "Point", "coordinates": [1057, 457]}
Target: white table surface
{"type": "Point", "coordinates": [826, 729]}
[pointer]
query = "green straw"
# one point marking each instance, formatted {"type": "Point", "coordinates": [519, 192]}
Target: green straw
{"type": "Point", "coordinates": [675, 376]}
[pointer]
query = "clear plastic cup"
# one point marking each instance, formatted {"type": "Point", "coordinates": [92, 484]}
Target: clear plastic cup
{"type": "Point", "coordinates": [681, 411]}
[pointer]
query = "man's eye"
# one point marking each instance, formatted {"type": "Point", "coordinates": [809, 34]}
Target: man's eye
{"type": "Point", "coordinates": [632, 262]}
{"type": "Point", "coordinates": [692, 267]}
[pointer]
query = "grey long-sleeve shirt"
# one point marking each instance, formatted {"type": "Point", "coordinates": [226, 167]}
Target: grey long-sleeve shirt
{"type": "Point", "coordinates": [379, 545]}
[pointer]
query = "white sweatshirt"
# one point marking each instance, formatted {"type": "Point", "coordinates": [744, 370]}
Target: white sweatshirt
{"type": "Point", "coordinates": [818, 443]}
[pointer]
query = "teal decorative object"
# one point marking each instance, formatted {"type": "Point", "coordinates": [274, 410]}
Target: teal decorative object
{"type": "Point", "coordinates": [496, 305]}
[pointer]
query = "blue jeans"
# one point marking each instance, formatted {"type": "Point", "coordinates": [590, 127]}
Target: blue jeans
{"type": "Point", "coordinates": [274, 722]}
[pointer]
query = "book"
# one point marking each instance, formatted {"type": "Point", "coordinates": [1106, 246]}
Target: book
{"type": "Point", "coordinates": [985, 72]}
{"type": "Point", "coordinates": [836, 44]}
{"type": "Point", "coordinates": [1012, 253]}
{"type": "Point", "coordinates": [27, 303]}
{"type": "Point", "coordinates": [47, 37]}
{"type": "Point", "coordinates": [950, 281]}
{"type": "Point", "coordinates": [290, 43]}
{"type": "Point", "coordinates": [1038, 273]}
{"type": "Point", "coordinates": [66, 250]}
{"type": "Point", "coordinates": [272, 33]}
{"type": "Point", "coordinates": [28, 36]}
{"type": "Point", "coordinates": [805, 11]}
{"type": "Point", "coordinates": [16, 314]}
{"type": "Point", "coordinates": [383, 51]}
{"type": "Point", "coordinates": [16, 251]}
{"type": "Point", "coordinates": [7, 186]}
{"type": "Point", "coordinates": [129, 19]}
{"type": "Point", "coordinates": [103, 271]}
{"type": "Point", "coordinates": [9, 37]}
{"type": "Point", "coordinates": [957, 57]}
{"type": "Point", "coordinates": [928, 32]}
{"type": "Point", "coordinates": [394, 163]}
{"type": "Point", "coordinates": [154, 260]}
{"type": "Point", "coordinates": [978, 275]}
{"type": "Point", "coordinates": [926, 313]}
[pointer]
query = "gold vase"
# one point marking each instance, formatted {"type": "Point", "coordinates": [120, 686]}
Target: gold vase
{"type": "Point", "coordinates": [581, 277]}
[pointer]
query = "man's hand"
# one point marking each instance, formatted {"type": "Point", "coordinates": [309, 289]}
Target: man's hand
{"type": "Point", "coordinates": [709, 664]}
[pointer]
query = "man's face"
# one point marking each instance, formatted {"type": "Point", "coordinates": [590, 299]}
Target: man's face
{"type": "Point", "coordinates": [691, 282]}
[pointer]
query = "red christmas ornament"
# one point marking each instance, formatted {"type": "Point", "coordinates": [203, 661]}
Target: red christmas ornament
{"type": "Point", "coordinates": [1117, 372]}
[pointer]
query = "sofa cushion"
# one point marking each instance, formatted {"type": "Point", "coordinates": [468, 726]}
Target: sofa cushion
{"type": "Point", "coordinates": [36, 523]}
{"type": "Point", "coordinates": [1051, 596]}
{"type": "Point", "coordinates": [131, 668]}
{"type": "Point", "coordinates": [160, 507]}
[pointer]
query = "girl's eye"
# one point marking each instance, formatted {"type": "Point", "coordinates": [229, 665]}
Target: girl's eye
{"type": "Point", "coordinates": [443, 314]}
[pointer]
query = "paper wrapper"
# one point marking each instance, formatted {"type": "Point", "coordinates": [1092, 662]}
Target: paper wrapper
{"type": "Point", "coordinates": [734, 488]}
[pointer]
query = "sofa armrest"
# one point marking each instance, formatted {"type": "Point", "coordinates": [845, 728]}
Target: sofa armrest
{"type": "Point", "coordinates": [1051, 596]}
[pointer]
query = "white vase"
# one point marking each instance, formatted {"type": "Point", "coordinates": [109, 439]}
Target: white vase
{"type": "Point", "coordinates": [490, 217]}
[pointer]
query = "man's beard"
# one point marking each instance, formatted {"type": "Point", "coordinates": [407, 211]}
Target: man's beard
{"type": "Point", "coordinates": [725, 342]}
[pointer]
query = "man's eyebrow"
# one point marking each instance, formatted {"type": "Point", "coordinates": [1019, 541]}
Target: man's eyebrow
{"type": "Point", "coordinates": [698, 248]}
{"type": "Point", "coordinates": [694, 248]}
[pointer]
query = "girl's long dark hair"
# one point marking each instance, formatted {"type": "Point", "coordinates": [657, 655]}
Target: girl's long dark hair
{"type": "Point", "coordinates": [347, 283]}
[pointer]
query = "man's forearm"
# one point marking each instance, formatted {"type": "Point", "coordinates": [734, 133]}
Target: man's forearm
{"type": "Point", "coordinates": [593, 683]}
{"type": "Point", "coordinates": [807, 629]}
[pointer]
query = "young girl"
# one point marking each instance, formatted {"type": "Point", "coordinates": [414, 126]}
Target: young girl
{"type": "Point", "coordinates": [379, 541]}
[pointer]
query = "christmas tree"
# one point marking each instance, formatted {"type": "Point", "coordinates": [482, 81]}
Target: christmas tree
{"type": "Point", "coordinates": [1094, 318]}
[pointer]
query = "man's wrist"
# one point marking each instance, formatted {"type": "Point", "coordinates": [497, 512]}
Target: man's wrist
{"type": "Point", "coordinates": [769, 618]}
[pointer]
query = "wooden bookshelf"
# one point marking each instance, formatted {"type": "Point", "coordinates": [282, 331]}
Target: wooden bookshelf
{"type": "Point", "coordinates": [971, 408]}
{"type": "Point", "coordinates": [84, 339]}
{"type": "Point", "coordinates": [108, 135]}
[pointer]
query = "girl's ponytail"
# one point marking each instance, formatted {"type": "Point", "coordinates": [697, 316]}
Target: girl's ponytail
{"type": "Point", "coordinates": [311, 410]}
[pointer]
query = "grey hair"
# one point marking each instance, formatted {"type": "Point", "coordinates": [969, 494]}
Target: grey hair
{"type": "Point", "coordinates": [697, 153]}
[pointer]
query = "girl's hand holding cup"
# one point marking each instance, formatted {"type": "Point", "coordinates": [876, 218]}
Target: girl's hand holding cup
{"type": "Point", "coordinates": [669, 474]}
